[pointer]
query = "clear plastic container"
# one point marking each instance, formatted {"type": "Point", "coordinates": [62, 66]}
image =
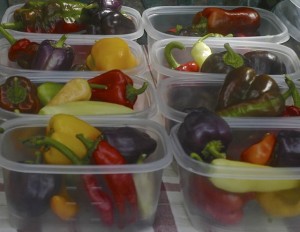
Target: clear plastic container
{"type": "Point", "coordinates": [147, 178]}
{"type": "Point", "coordinates": [227, 197]}
{"type": "Point", "coordinates": [162, 70]}
{"type": "Point", "coordinates": [144, 107]}
{"type": "Point", "coordinates": [81, 48]}
{"type": "Point", "coordinates": [132, 13]}
{"type": "Point", "coordinates": [157, 20]}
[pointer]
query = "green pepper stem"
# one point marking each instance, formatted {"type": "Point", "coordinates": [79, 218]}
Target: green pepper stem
{"type": "Point", "coordinates": [13, 25]}
{"type": "Point", "coordinates": [213, 148]}
{"type": "Point", "coordinates": [39, 141]}
{"type": "Point", "coordinates": [232, 58]}
{"type": "Point", "coordinates": [60, 43]}
{"type": "Point", "coordinates": [89, 144]}
{"type": "Point", "coordinates": [132, 92]}
{"type": "Point", "coordinates": [196, 156]}
{"type": "Point", "coordinates": [7, 36]}
{"type": "Point", "coordinates": [141, 158]}
{"type": "Point", "coordinates": [168, 53]}
{"type": "Point", "coordinates": [294, 91]}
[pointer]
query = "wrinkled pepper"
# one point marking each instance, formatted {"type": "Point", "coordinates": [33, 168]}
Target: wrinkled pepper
{"type": "Point", "coordinates": [243, 20]}
{"type": "Point", "coordinates": [111, 53]}
{"type": "Point", "coordinates": [19, 94]}
{"type": "Point", "coordinates": [53, 55]}
{"type": "Point", "coordinates": [204, 133]}
{"type": "Point", "coordinates": [244, 93]}
{"type": "Point", "coordinates": [119, 88]}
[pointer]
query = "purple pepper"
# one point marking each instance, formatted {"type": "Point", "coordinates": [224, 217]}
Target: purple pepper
{"type": "Point", "coordinates": [53, 55]}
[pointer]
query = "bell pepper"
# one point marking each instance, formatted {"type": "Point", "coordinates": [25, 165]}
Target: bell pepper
{"type": "Point", "coordinates": [242, 185]}
{"type": "Point", "coordinates": [204, 133]}
{"type": "Point", "coordinates": [246, 94]}
{"type": "Point", "coordinates": [130, 142]}
{"type": "Point", "coordinates": [285, 203]}
{"type": "Point", "coordinates": [110, 53]}
{"type": "Point", "coordinates": [223, 62]}
{"type": "Point", "coordinates": [53, 55]}
{"type": "Point", "coordinates": [47, 90]}
{"type": "Point", "coordinates": [188, 67]}
{"type": "Point", "coordinates": [244, 20]}
{"type": "Point", "coordinates": [119, 88]}
{"type": "Point", "coordinates": [19, 94]}
{"type": "Point", "coordinates": [261, 152]}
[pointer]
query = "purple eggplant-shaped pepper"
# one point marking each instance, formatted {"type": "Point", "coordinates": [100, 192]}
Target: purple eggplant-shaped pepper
{"type": "Point", "coordinates": [53, 55]}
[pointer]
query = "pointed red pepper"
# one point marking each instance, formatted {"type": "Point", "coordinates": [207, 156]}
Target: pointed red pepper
{"type": "Point", "coordinates": [119, 89]}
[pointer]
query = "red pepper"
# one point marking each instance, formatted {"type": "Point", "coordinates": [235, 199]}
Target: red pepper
{"type": "Point", "coordinates": [291, 111]}
{"type": "Point", "coordinates": [119, 89]}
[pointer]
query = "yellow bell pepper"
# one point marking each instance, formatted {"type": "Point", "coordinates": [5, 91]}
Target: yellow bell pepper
{"type": "Point", "coordinates": [110, 53]}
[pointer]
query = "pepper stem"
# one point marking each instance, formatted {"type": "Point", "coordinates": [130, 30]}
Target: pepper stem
{"type": "Point", "coordinates": [168, 53]}
{"type": "Point", "coordinates": [196, 156]}
{"type": "Point", "coordinates": [132, 92]}
{"type": "Point", "coordinates": [232, 58]}
{"type": "Point", "coordinates": [60, 43]}
{"type": "Point", "coordinates": [7, 36]}
{"type": "Point", "coordinates": [89, 144]}
{"type": "Point", "coordinates": [13, 25]}
{"type": "Point", "coordinates": [39, 141]}
{"type": "Point", "coordinates": [213, 149]}
{"type": "Point", "coordinates": [294, 91]}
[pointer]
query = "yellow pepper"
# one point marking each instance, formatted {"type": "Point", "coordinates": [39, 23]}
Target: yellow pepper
{"type": "Point", "coordinates": [110, 53]}
{"type": "Point", "coordinates": [284, 203]}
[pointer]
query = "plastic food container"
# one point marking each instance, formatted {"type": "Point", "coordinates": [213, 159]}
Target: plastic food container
{"type": "Point", "coordinates": [207, 188]}
{"type": "Point", "coordinates": [81, 48]}
{"type": "Point", "coordinates": [147, 178]}
{"type": "Point", "coordinates": [144, 107]}
{"type": "Point", "coordinates": [157, 20]}
{"type": "Point", "coordinates": [176, 95]}
{"type": "Point", "coordinates": [132, 13]}
{"type": "Point", "coordinates": [162, 69]}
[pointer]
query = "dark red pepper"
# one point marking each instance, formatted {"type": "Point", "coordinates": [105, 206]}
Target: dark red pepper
{"type": "Point", "coordinates": [291, 111]}
{"type": "Point", "coordinates": [119, 89]}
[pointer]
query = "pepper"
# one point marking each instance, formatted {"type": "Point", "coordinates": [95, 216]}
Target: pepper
{"type": "Point", "coordinates": [292, 110]}
{"type": "Point", "coordinates": [53, 55]}
{"type": "Point", "coordinates": [246, 94]}
{"type": "Point", "coordinates": [188, 67]}
{"type": "Point", "coordinates": [204, 133]}
{"type": "Point", "coordinates": [261, 152]}
{"type": "Point", "coordinates": [119, 88]}
{"type": "Point", "coordinates": [130, 142]}
{"type": "Point", "coordinates": [21, 51]}
{"type": "Point", "coordinates": [223, 62]}
{"type": "Point", "coordinates": [19, 94]}
{"type": "Point", "coordinates": [47, 90]}
{"type": "Point", "coordinates": [110, 53]}
{"type": "Point", "coordinates": [244, 20]}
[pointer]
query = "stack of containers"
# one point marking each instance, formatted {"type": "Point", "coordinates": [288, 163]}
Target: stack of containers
{"type": "Point", "coordinates": [29, 206]}
{"type": "Point", "coordinates": [227, 195]}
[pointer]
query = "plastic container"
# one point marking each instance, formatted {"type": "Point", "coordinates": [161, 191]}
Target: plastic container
{"type": "Point", "coordinates": [176, 95]}
{"type": "Point", "coordinates": [144, 107]}
{"type": "Point", "coordinates": [81, 48]}
{"type": "Point", "coordinates": [131, 12]}
{"type": "Point", "coordinates": [157, 20]}
{"type": "Point", "coordinates": [161, 68]}
{"type": "Point", "coordinates": [224, 198]}
{"type": "Point", "coordinates": [147, 177]}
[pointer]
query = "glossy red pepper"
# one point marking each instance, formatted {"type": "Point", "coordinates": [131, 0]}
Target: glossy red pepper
{"type": "Point", "coordinates": [290, 111]}
{"type": "Point", "coordinates": [119, 89]}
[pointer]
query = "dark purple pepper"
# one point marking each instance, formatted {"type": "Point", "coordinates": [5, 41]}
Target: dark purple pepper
{"type": "Point", "coordinates": [53, 55]}
{"type": "Point", "coordinates": [130, 142]}
{"type": "Point", "coordinates": [200, 128]}
{"type": "Point", "coordinates": [111, 4]}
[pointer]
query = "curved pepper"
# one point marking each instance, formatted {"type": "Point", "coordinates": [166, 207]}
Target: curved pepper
{"type": "Point", "coordinates": [110, 53]}
{"type": "Point", "coordinates": [46, 91]}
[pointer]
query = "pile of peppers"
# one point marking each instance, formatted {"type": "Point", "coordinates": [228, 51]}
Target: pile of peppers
{"type": "Point", "coordinates": [68, 16]}
{"type": "Point", "coordinates": [205, 136]}
{"type": "Point", "coordinates": [70, 140]}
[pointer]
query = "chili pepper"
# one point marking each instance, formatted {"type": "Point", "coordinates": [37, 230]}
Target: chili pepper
{"type": "Point", "coordinates": [265, 62]}
{"type": "Point", "coordinates": [205, 133]}
{"type": "Point", "coordinates": [223, 62]}
{"type": "Point", "coordinates": [284, 203]}
{"type": "Point", "coordinates": [188, 67]}
{"type": "Point", "coordinates": [130, 142]}
{"type": "Point", "coordinates": [21, 51]}
{"type": "Point", "coordinates": [261, 152]}
{"type": "Point", "coordinates": [86, 108]}
{"type": "Point", "coordinates": [121, 185]}
{"type": "Point", "coordinates": [19, 94]}
{"type": "Point", "coordinates": [53, 55]}
{"type": "Point", "coordinates": [246, 94]}
{"type": "Point", "coordinates": [229, 21]}
{"type": "Point", "coordinates": [200, 51]}
{"type": "Point", "coordinates": [119, 89]}
{"type": "Point", "coordinates": [237, 185]}
{"type": "Point", "coordinates": [110, 53]}
{"type": "Point", "coordinates": [46, 91]}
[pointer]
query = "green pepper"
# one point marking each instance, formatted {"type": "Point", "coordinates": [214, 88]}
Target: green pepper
{"type": "Point", "coordinates": [47, 91]}
{"type": "Point", "coordinates": [246, 94]}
